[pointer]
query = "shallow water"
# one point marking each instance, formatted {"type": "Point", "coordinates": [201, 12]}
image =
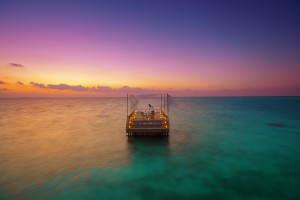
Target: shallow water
{"type": "Point", "coordinates": [218, 148]}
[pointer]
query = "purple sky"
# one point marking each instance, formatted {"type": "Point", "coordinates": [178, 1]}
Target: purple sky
{"type": "Point", "coordinates": [198, 48]}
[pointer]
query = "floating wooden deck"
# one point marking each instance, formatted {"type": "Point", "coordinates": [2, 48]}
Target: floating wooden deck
{"type": "Point", "coordinates": [147, 123]}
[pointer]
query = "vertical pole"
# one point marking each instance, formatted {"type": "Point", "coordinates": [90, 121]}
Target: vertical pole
{"type": "Point", "coordinates": [168, 104]}
{"type": "Point", "coordinates": [127, 105]}
{"type": "Point", "coordinates": [130, 98]}
{"type": "Point", "coordinates": [164, 103]}
{"type": "Point", "coordinates": [160, 101]}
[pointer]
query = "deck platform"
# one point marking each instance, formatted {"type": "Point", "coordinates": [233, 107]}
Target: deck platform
{"type": "Point", "coordinates": [147, 123]}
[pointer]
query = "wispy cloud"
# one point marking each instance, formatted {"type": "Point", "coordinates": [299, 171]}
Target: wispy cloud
{"type": "Point", "coordinates": [68, 87]}
{"type": "Point", "coordinates": [39, 85]}
{"type": "Point", "coordinates": [1, 82]}
{"type": "Point", "coordinates": [146, 92]}
{"type": "Point", "coordinates": [148, 95]}
{"type": "Point", "coordinates": [19, 83]}
{"type": "Point", "coordinates": [100, 89]}
{"type": "Point", "coordinates": [15, 65]}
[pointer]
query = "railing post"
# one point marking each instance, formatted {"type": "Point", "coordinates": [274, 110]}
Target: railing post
{"type": "Point", "coordinates": [168, 104]}
{"type": "Point", "coordinates": [161, 102]}
{"type": "Point", "coordinates": [164, 103]}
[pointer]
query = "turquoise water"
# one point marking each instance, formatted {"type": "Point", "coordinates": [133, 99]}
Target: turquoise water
{"type": "Point", "coordinates": [218, 148]}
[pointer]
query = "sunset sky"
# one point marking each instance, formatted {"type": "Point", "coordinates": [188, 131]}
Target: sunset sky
{"type": "Point", "coordinates": [187, 48]}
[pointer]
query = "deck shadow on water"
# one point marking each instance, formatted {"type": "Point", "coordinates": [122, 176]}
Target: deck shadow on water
{"type": "Point", "coordinates": [148, 141]}
{"type": "Point", "coordinates": [148, 146]}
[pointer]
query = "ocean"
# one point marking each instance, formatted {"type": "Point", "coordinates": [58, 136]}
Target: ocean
{"type": "Point", "coordinates": [218, 148]}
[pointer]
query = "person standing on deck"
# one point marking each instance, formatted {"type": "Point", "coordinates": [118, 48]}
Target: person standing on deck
{"type": "Point", "coordinates": [151, 109]}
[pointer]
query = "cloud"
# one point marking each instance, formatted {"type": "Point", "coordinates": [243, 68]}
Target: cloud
{"type": "Point", "coordinates": [19, 83]}
{"type": "Point", "coordinates": [1, 82]}
{"type": "Point", "coordinates": [3, 89]}
{"type": "Point", "coordinates": [148, 95]}
{"type": "Point", "coordinates": [39, 85]}
{"type": "Point", "coordinates": [123, 89]}
{"type": "Point", "coordinates": [62, 87]}
{"type": "Point", "coordinates": [101, 89]}
{"type": "Point", "coordinates": [136, 90]}
{"type": "Point", "coordinates": [15, 65]}
{"type": "Point", "coordinates": [146, 92]}
{"type": "Point", "coordinates": [68, 87]}
{"type": "Point", "coordinates": [106, 89]}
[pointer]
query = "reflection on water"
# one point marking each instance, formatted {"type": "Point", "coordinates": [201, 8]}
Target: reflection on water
{"type": "Point", "coordinates": [42, 139]}
{"type": "Point", "coordinates": [218, 148]}
{"type": "Point", "coordinates": [147, 147]}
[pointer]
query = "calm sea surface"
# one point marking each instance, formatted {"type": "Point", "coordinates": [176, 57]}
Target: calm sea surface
{"type": "Point", "coordinates": [218, 148]}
